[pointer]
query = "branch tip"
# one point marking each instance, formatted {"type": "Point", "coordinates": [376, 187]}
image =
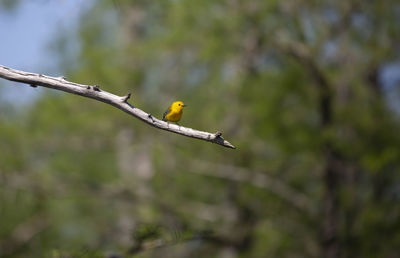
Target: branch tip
{"type": "Point", "coordinates": [221, 141]}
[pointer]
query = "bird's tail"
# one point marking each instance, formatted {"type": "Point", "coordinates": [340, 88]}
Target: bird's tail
{"type": "Point", "coordinates": [164, 115]}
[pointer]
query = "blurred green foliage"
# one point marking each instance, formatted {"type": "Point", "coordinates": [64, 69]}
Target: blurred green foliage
{"type": "Point", "coordinates": [79, 178]}
{"type": "Point", "coordinates": [9, 4]}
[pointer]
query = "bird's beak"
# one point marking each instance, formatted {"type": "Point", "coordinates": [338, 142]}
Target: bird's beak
{"type": "Point", "coordinates": [184, 105]}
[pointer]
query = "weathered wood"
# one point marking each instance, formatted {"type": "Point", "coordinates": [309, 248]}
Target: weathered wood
{"type": "Point", "coordinates": [121, 102]}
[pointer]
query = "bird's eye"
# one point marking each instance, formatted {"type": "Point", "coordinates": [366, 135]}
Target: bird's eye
{"type": "Point", "coordinates": [179, 104]}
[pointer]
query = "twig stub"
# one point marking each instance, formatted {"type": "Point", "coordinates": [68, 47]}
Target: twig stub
{"type": "Point", "coordinates": [125, 99]}
{"type": "Point", "coordinates": [218, 134]}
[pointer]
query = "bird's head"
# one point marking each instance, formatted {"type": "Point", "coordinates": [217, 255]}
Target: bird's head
{"type": "Point", "coordinates": [178, 105]}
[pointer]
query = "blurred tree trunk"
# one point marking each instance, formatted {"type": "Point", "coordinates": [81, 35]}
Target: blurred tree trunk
{"type": "Point", "coordinates": [330, 247]}
{"type": "Point", "coordinates": [330, 243]}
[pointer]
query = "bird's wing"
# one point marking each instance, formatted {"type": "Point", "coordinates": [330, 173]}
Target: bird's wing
{"type": "Point", "coordinates": [166, 113]}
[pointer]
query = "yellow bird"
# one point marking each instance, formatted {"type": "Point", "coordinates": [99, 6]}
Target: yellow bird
{"type": "Point", "coordinates": [174, 112]}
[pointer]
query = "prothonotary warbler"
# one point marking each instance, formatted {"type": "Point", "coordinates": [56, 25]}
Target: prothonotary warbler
{"type": "Point", "coordinates": [174, 112]}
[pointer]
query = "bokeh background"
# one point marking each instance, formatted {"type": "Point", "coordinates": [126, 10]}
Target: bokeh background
{"type": "Point", "coordinates": [308, 91]}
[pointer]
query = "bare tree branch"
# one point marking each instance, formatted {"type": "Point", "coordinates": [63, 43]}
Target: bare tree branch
{"type": "Point", "coordinates": [261, 180]}
{"type": "Point", "coordinates": [121, 102]}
